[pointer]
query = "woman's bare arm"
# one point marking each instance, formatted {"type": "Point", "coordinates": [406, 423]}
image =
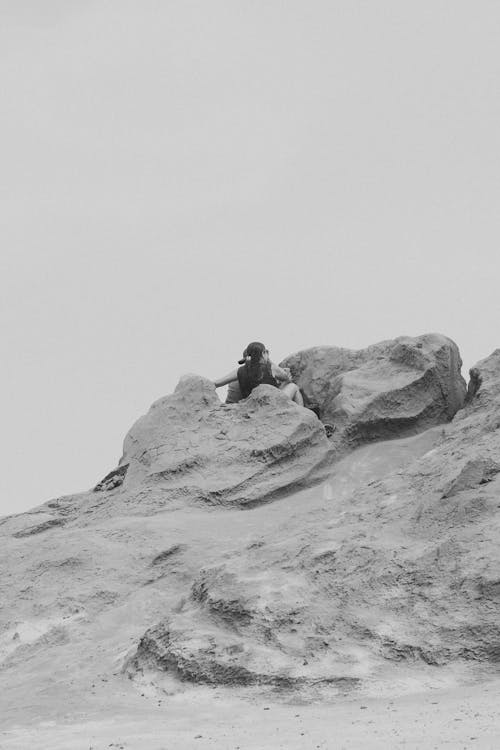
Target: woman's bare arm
{"type": "Point", "coordinates": [229, 378]}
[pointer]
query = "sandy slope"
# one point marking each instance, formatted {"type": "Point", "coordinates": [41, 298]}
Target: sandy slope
{"type": "Point", "coordinates": [363, 612]}
{"type": "Point", "coordinates": [83, 598]}
{"type": "Point", "coordinates": [467, 717]}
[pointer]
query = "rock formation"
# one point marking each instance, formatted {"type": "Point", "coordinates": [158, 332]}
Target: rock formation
{"type": "Point", "coordinates": [189, 447]}
{"type": "Point", "coordinates": [391, 389]}
{"type": "Point", "coordinates": [405, 567]}
{"type": "Point", "coordinates": [192, 447]}
{"type": "Point", "coordinates": [371, 558]}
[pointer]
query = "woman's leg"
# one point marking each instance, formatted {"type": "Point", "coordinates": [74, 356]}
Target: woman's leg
{"type": "Point", "coordinates": [293, 392]}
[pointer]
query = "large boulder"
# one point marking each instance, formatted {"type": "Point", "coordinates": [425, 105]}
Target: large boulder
{"type": "Point", "coordinates": [386, 576]}
{"type": "Point", "coordinates": [484, 383]}
{"type": "Point", "coordinates": [195, 448]}
{"type": "Point", "coordinates": [390, 389]}
{"type": "Point", "coordinates": [399, 568]}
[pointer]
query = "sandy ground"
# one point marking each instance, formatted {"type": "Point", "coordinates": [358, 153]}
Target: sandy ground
{"type": "Point", "coordinates": [62, 687]}
{"type": "Point", "coordinates": [467, 717]}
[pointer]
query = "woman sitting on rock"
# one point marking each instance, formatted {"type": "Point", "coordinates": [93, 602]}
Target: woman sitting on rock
{"type": "Point", "coordinates": [257, 369]}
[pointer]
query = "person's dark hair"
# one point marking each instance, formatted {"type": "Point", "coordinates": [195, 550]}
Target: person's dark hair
{"type": "Point", "coordinates": [255, 350]}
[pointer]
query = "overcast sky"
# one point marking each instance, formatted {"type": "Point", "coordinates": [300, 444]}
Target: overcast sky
{"type": "Point", "coordinates": [181, 177]}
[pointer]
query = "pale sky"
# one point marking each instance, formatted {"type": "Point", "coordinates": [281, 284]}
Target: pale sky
{"type": "Point", "coordinates": [181, 177]}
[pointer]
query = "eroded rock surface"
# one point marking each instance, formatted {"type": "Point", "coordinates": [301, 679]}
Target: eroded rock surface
{"type": "Point", "coordinates": [195, 448]}
{"type": "Point", "coordinates": [387, 390]}
{"type": "Point", "coordinates": [404, 568]}
{"type": "Point", "coordinates": [191, 447]}
{"type": "Point", "coordinates": [387, 570]}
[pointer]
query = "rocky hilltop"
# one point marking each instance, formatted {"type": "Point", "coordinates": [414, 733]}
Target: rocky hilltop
{"type": "Point", "coordinates": [190, 447]}
{"type": "Point", "coordinates": [238, 545]}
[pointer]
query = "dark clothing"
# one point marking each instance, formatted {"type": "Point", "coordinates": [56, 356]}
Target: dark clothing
{"type": "Point", "coordinates": [249, 380]}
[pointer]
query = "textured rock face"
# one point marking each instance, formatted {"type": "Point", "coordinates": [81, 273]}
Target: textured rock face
{"type": "Point", "coordinates": [404, 568]}
{"type": "Point", "coordinates": [192, 447]}
{"type": "Point", "coordinates": [386, 573]}
{"type": "Point", "coordinates": [390, 389]}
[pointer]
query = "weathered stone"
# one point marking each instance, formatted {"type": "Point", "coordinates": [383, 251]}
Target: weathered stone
{"type": "Point", "coordinates": [387, 390]}
{"type": "Point", "coordinates": [113, 479]}
{"type": "Point", "coordinates": [405, 571]}
{"type": "Point", "coordinates": [199, 449]}
{"type": "Point", "coordinates": [484, 384]}
{"type": "Point", "coordinates": [39, 528]}
{"type": "Point", "coordinates": [388, 568]}
{"type": "Point", "coordinates": [474, 473]}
